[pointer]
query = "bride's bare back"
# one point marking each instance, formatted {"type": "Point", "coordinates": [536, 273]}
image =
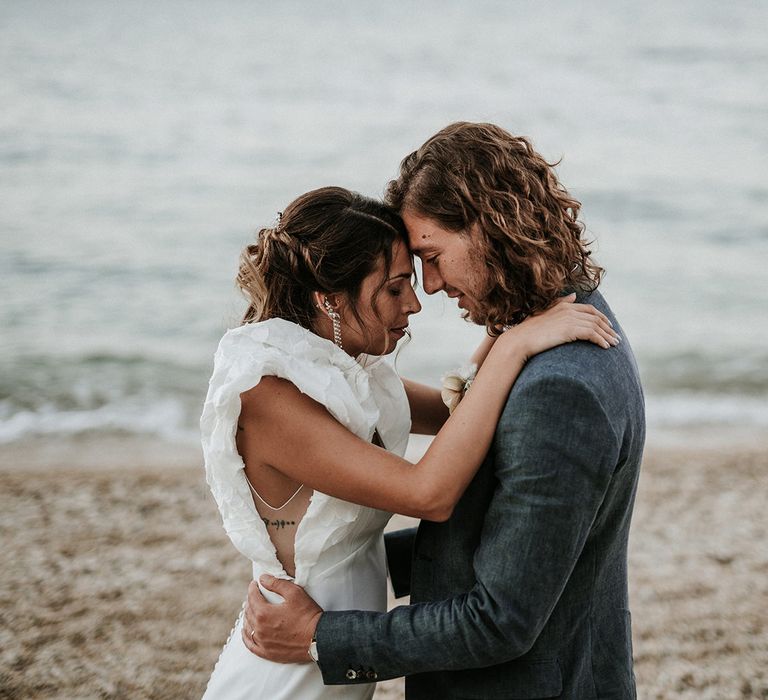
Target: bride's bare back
{"type": "Point", "coordinates": [280, 501]}
{"type": "Point", "coordinates": [281, 524]}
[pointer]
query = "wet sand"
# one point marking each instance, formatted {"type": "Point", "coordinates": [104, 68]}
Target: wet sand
{"type": "Point", "coordinates": [118, 581]}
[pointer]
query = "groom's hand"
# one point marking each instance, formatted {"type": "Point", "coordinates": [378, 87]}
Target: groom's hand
{"type": "Point", "coordinates": [280, 632]}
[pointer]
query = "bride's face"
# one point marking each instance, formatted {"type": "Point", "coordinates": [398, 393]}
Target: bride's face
{"type": "Point", "coordinates": [386, 301]}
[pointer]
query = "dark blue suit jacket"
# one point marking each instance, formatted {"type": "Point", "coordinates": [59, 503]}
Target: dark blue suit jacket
{"type": "Point", "coordinates": [522, 593]}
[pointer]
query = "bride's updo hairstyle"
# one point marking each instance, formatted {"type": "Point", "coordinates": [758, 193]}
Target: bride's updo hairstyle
{"type": "Point", "coordinates": [327, 240]}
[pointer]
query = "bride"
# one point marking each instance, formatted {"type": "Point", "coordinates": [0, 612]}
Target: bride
{"type": "Point", "coordinates": [305, 424]}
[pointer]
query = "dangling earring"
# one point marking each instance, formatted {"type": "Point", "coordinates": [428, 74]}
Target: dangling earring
{"type": "Point", "coordinates": [336, 320]}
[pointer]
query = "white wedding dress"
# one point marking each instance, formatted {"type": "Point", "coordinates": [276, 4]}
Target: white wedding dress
{"type": "Point", "coordinates": [339, 547]}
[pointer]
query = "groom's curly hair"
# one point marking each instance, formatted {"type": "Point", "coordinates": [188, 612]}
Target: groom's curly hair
{"type": "Point", "coordinates": [479, 180]}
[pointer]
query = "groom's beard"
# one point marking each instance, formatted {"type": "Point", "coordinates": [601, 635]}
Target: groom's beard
{"type": "Point", "coordinates": [478, 314]}
{"type": "Point", "coordinates": [479, 279]}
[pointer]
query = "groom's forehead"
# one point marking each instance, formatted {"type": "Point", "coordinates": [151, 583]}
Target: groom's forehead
{"type": "Point", "coordinates": [426, 243]}
{"type": "Point", "coordinates": [421, 241]}
{"type": "Point", "coordinates": [425, 235]}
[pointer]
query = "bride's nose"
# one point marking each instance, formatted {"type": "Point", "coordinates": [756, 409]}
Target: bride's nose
{"type": "Point", "coordinates": [412, 304]}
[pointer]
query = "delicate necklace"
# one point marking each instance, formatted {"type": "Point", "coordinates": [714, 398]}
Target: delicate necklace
{"type": "Point", "coordinates": [269, 505]}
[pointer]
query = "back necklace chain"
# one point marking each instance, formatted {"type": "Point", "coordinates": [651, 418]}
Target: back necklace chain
{"type": "Point", "coordinates": [269, 505]}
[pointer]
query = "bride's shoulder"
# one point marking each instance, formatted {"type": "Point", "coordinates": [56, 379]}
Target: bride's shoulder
{"type": "Point", "coordinates": [277, 347]}
{"type": "Point", "coordinates": [281, 353]}
{"type": "Point", "coordinates": [273, 329]}
{"type": "Point", "coordinates": [272, 335]}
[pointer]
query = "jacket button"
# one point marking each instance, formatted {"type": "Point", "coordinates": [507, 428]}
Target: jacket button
{"type": "Point", "coordinates": [372, 675]}
{"type": "Point", "coordinates": [351, 675]}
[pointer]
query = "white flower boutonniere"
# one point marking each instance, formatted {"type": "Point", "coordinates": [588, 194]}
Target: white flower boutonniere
{"type": "Point", "coordinates": [455, 385]}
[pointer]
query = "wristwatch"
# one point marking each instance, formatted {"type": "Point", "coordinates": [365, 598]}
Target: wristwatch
{"type": "Point", "coordinates": [312, 651]}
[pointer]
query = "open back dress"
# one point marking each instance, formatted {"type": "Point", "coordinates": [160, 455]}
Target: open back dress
{"type": "Point", "coordinates": [339, 550]}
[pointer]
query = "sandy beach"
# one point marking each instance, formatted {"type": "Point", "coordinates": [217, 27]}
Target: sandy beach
{"type": "Point", "coordinates": [117, 581]}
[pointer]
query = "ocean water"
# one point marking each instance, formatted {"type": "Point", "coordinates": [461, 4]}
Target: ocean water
{"type": "Point", "coordinates": [142, 145]}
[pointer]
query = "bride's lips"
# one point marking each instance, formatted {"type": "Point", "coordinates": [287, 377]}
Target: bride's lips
{"type": "Point", "coordinates": [399, 332]}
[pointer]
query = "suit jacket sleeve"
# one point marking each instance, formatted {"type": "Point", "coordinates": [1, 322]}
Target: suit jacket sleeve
{"type": "Point", "coordinates": [555, 452]}
{"type": "Point", "coordinates": [399, 547]}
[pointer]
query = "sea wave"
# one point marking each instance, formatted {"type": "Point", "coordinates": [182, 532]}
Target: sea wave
{"type": "Point", "coordinates": [100, 393]}
{"type": "Point", "coordinates": [170, 419]}
{"type": "Point", "coordinates": [103, 394]}
{"type": "Point", "coordinates": [166, 419]}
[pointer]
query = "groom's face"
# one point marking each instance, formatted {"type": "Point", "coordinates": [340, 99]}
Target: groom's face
{"type": "Point", "coordinates": [450, 262]}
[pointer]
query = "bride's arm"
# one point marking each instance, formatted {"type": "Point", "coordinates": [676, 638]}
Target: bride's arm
{"type": "Point", "coordinates": [298, 437]}
{"type": "Point", "coordinates": [428, 411]}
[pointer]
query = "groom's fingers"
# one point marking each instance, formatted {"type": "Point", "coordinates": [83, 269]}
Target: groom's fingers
{"type": "Point", "coordinates": [253, 645]}
{"type": "Point", "coordinates": [283, 588]}
{"type": "Point", "coordinates": [254, 601]}
{"type": "Point", "coordinates": [250, 644]}
{"type": "Point", "coordinates": [248, 640]}
{"type": "Point", "coordinates": [255, 596]}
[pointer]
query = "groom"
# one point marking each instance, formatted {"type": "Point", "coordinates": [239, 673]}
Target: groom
{"type": "Point", "coordinates": [522, 593]}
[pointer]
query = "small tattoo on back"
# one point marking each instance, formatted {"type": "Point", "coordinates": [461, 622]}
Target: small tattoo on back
{"type": "Point", "coordinates": [278, 524]}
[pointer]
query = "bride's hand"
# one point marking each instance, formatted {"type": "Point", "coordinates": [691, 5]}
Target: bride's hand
{"type": "Point", "coordinates": [563, 322]}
